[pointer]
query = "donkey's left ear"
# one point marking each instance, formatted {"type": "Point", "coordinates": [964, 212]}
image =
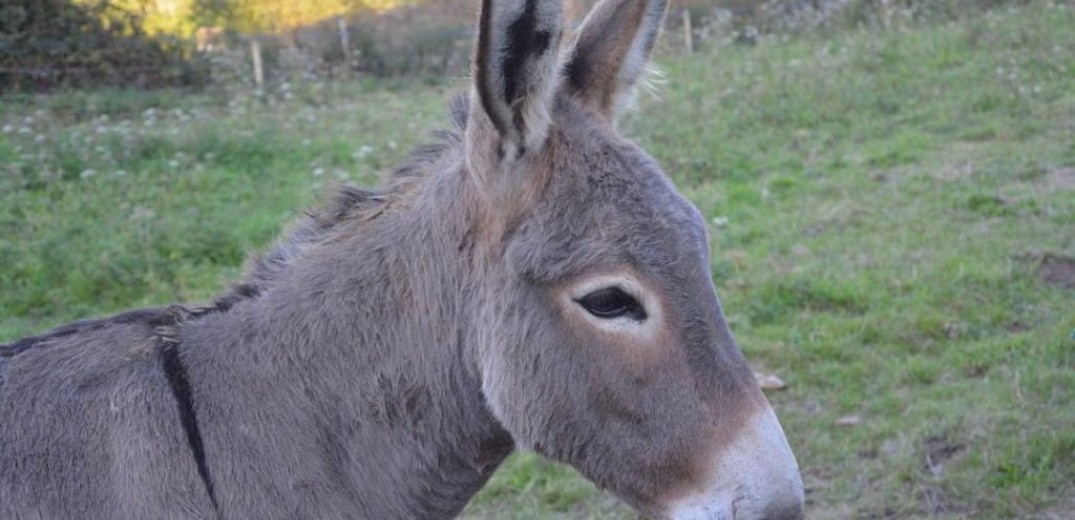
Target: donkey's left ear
{"type": "Point", "coordinates": [611, 52]}
{"type": "Point", "coordinates": [516, 76]}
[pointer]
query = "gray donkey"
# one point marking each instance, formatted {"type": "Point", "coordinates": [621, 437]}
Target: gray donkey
{"type": "Point", "coordinates": [533, 281]}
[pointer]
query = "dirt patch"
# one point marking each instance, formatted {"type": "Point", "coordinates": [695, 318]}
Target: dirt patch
{"type": "Point", "coordinates": [933, 499]}
{"type": "Point", "coordinates": [938, 451]}
{"type": "Point", "coordinates": [1056, 270]}
{"type": "Point", "coordinates": [955, 172]}
{"type": "Point", "coordinates": [1059, 179]}
{"type": "Point", "coordinates": [1064, 508]}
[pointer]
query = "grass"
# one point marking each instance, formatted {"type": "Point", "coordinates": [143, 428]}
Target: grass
{"type": "Point", "coordinates": [882, 205]}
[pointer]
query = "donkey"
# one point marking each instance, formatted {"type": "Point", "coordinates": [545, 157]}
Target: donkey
{"type": "Point", "coordinates": [533, 281]}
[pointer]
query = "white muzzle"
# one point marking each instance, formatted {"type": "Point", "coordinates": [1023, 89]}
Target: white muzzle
{"type": "Point", "coordinates": [756, 478]}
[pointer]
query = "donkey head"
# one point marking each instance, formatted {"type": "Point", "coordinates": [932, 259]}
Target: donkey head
{"type": "Point", "coordinates": [601, 342]}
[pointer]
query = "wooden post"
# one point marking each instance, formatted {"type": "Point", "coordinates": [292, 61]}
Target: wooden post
{"type": "Point", "coordinates": [255, 55]}
{"type": "Point", "coordinates": [688, 32]}
{"type": "Point", "coordinates": [345, 41]}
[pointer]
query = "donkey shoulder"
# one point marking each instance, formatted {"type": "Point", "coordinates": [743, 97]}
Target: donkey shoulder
{"type": "Point", "coordinates": [82, 354]}
{"type": "Point", "coordinates": [82, 400]}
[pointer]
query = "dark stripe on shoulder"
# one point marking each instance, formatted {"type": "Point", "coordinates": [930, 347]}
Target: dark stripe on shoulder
{"type": "Point", "coordinates": [180, 383]}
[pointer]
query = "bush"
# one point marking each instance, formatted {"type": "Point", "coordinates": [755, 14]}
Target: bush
{"type": "Point", "coordinates": [45, 44]}
{"type": "Point", "coordinates": [718, 22]}
{"type": "Point", "coordinates": [412, 41]}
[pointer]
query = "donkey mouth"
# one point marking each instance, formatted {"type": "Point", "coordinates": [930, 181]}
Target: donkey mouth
{"type": "Point", "coordinates": [756, 478]}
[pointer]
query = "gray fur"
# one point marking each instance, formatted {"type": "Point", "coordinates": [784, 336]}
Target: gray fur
{"type": "Point", "coordinates": [393, 348]}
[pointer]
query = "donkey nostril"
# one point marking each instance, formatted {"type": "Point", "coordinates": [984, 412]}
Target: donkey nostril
{"type": "Point", "coordinates": [793, 511]}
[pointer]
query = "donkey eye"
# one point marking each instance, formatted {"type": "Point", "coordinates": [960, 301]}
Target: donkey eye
{"type": "Point", "coordinates": [610, 303]}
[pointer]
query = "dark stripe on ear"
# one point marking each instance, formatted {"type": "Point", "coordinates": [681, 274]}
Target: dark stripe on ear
{"type": "Point", "coordinates": [481, 64]}
{"type": "Point", "coordinates": [576, 71]}
{"type": "Point", "coordinates": [177, 379]}
{"type": "Point", "coordinates": [524, 42]}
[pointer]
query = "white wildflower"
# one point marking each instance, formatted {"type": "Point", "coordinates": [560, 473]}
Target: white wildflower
{"type": "Point", "coordinates": [362, 152]}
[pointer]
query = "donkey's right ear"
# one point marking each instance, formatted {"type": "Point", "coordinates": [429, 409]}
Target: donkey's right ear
{"type": "Point", "coordinates": [611, 52]}
{"type": "Point", "coordinates": [516, 76]}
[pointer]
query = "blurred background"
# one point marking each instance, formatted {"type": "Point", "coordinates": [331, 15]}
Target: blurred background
{"type": "Point", "coordinates": [890, 187]}
{"type": "Point", "coordinates": [49, 44]}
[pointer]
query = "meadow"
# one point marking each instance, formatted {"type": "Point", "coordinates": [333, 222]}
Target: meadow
{"type": "Point", "coordinates": [892, 226]}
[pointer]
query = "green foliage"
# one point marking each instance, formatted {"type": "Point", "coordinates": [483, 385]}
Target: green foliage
{"type": "Point", "coordinates": [253, 16]}
{"type": "Point", "coordinates": [172, 18]}
{"type": "Point", "coordinates": [46, 44]}
{"type": "Point", "coordinates": [268, 16]}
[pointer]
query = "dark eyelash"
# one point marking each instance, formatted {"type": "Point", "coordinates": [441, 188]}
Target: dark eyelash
{"type": "Point", "coordinates": [611, 303]}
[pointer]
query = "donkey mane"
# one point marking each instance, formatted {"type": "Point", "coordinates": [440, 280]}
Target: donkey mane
{"type": "Point", "coordinates": [347, 203]}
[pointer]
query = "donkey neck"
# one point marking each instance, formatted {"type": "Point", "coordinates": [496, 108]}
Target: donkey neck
{"type": "Point", "coordinates": [353, 376]}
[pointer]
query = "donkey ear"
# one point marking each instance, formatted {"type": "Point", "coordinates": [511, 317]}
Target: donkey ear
{"type": "Point", "coordinates": [612, 50]}
{"type": "Point", "coordinates": [515, 78]}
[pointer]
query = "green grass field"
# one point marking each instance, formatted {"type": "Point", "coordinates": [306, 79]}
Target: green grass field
{"type": "Point", "coordinates": [893, 235]}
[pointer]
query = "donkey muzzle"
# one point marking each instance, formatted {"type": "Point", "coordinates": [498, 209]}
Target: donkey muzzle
{"type": "Point", "coordinates": [756, 478]}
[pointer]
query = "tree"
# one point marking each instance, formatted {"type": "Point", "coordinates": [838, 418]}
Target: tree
{"type": "Point", "coordinates": [254, 16]}
{"type": "Point", "coordinates": [45, 43]}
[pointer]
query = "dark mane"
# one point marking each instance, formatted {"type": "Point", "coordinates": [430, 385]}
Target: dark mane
{"type": "Point", "coordinates": [348, 203]}
{"type": "Point", "coordinates": [160, 321]}
{"type": "Point", "coordinates": [78, 327]}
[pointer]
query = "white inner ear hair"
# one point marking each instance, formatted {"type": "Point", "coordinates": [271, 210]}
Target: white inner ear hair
{"type": "Point", "coordinates": [650, 80]}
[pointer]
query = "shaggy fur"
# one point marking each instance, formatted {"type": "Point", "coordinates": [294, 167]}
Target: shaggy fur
{"type": "Point", "coordinates": [384, 357]}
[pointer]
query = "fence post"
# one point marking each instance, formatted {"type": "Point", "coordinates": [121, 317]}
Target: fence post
{"type": "Point", "coordinates": [345, 41]}
{"type": "Point", "coordinates": [255, 55]}
{"type": "Point", "coordinates": [688, 32]}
